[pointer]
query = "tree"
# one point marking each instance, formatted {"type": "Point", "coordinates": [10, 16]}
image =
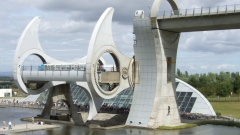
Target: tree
{"type": "Point", "coordinates": [237, 91]}
{"type": "Point", "coordinates": [208, 90]}
{"type": "Point", "coordinates": [186, 73]}
{"type": "Point", "coordinates": [14, 86]}
{"type": "Point", "coordinates": [203, 80]}
{"type": "Point", "coordinates": [194, 80]}
{"type": "Point", "coordinates": [221, 84]}
{"type": "Point", "coordinates": [236, 84]}
{"type": "Point", "coordinates": [212, 78]}
{"type": "Point", "coordinates": [224, 77]}
{"type": "Point", "coordinates": [179, 74]}
{"type": "Point", "coordinates": [224, 89]}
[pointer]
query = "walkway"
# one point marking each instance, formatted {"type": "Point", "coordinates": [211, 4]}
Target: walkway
{"type": "Point", "coordinates": [202, 19]}
{"type": "Point", "coordinates": [203, 11]}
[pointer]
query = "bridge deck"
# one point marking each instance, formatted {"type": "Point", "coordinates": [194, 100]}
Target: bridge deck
{"type": "Point", "coordinates": [44, 76]}
{"type": "Point", "coordinates": [199, 20]}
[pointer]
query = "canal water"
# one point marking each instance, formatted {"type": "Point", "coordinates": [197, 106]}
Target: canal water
{"type": "Point", "coordinates": [14, 114]}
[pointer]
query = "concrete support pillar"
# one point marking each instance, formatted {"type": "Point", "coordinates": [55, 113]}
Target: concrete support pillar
{"type": "Point", "coordinates": [61, 92]}
{"type": "Point", "coordinates": [48, 106]}
{"type": "Point", "coordinates": [154, 102]}
{"type": "Point", "coordinates": [95, 103]}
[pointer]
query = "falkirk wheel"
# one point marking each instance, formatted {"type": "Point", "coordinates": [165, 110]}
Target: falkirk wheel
{"type": "Point", "coordinates": [151, 72]}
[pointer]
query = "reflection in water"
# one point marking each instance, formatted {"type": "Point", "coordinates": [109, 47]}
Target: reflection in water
{"type": "Point", "coordinates": [76, 130]}
{"type": "Point", "coordinates": [131, 131]}
{"type": "Point", "coordinates": [14, 114]}
{"type": "Point", "coordinates": [200, 130]}
{"type": "Point", "coordinates": [211, 130]}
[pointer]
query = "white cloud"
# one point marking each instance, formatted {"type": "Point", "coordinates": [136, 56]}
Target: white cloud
{"type": "Point", "coordinates": [204, 67]}
{"type": "Point", "coordinates": [61, 50]}
{"type": "Point", "coordinates": [218, 42]}
{"type": "Point", "coordinates": [66, 28]}
{"type": "Point", "coordinates": [226, 67]}
{"type": "Point", "coordinates": [75, 26]}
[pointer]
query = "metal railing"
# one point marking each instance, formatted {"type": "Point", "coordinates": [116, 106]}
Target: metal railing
{"type": "Point", "coordinates": [66, 68]}
{"type": "Point", "coordinates": [54, 68]}
{"type": "Point", "coordinates": [203, 11]}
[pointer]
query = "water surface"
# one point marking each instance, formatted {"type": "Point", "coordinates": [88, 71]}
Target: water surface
{"type": "Point", "coordinates": [14, 114]}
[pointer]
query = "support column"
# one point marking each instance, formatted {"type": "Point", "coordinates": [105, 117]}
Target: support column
{"type": "Point", "coordinates": [95, 104]}
{"type": "Point", "coordinates": [48, 106]}
{"type": "Point", "coordinates": [154, 102]}
{"type": "Point", "coordinates": [61, 92]}
{"type": "Point", "coordinates": [95, 101]}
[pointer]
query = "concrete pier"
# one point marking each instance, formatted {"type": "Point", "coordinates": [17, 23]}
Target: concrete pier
{"type": "Point", "coordinates": [26, 128]}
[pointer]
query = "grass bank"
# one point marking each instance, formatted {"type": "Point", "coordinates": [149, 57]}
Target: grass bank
{"type": "Point", "coordinates": [222, 123]}
{"type": "Point", "coordinates": [227, 108]}
{"type": "Point", "coordinates": [178, 127]}
{"type": "Point", "coordinates": [212, 122]}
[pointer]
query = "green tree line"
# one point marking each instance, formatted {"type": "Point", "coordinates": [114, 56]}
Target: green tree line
{"type": "Point", "coordinates": [213, 84]}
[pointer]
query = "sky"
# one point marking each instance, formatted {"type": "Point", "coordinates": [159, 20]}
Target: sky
{"type": "Point", "coordinates": [66, 27]}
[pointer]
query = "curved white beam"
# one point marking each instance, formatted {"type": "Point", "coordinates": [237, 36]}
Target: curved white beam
{"type": "Point", "coordinates": [29, 38]}
{"type": "Point", "coordinates": [156, 6]}
{"type": "Point", "coordinates": [173, 4]}
{"type": "Point", "coordinates": [29, 44]}
{"type": "Point", "coordinates": [99, 38]}
{"type": "Point", "coordinates": [102, 42]}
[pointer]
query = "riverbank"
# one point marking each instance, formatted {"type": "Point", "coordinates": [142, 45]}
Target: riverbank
{"type": "Point", "coordinates": [48, 121]}
{"type": "Point", "coordinates": [26, 128]}
{"type": "Point", "coordinates": [107, 121]}
{"type": "Point", "coordinates": [113, 121]}
{"type": "Point", "coordinates": [202, 122]}
{"type": "Point", "coordinates": [102, 121]}
{"type": "Point", "coordinates": [15, 114]}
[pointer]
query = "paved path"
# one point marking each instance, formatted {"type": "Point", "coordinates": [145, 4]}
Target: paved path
{"type": "Point", "coordinates": [27, 127]}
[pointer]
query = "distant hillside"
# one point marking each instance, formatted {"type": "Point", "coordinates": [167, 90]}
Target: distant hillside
{"type": "Point", "coordinates": [7, 73]}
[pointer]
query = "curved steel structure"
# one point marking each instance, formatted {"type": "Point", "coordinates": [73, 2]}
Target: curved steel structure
{"type": "Point", "coordinates": [28, 44]}
{"type": "Point", "coordinates": [88, 77]}
{"type": "Point", "coordinates": [102, 42]}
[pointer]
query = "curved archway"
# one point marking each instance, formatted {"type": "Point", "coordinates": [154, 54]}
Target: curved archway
{"type": "Point", "coordinates": [108, 76]}
{"type": "Point", "coordinates": [102, 42]}
{"type": "Point", "coordinates": [31, 63]}
{"type": "Point", "coordinates": [157, 3]}
{"type": "Point", "coordinates": [28, 44]}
